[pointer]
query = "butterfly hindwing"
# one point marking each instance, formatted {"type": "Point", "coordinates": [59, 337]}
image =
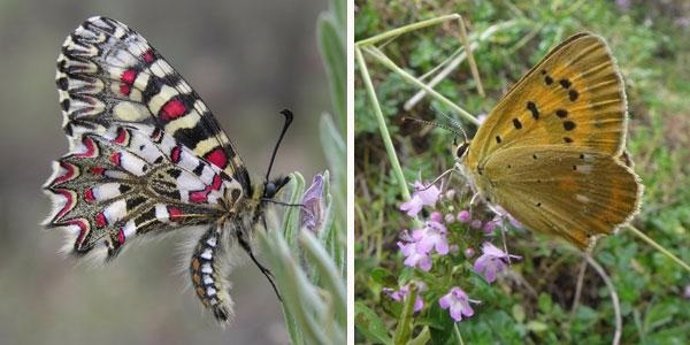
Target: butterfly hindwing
{"type": "Point", "coordinates": [567, 191]}
{"type": "Point", "coordinates": [128, 181]}
{"type": "Point", "coordinates": [109, 73]}
{"type": "Point", "coordinates": [575, 96]}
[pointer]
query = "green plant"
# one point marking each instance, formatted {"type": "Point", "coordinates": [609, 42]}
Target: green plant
{"type": "Point", "coordinates": [309, 262]}
{"type": "Point", "coordinates": [535, 301]}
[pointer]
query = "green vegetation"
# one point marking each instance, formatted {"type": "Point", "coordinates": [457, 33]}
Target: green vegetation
{"type": "Point", "coordinates": [534, 302]}
{"type": "Point", "coordinates": [308, 260]}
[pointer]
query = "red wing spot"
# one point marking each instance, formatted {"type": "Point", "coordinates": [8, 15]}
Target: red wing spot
{"type": "Point", "coordinates": [90, 148]}
{"type": "Point", "coordinates": [68, 175]}
{"type": "Point", "coordinates": [199, 197]}
{"type": "Point", "coordinates": [101, 221]}
{"type": "Point", "coordinates": [148, 56]}
{"type": "Point", "coordinates": [88, 195]}
{"type": "Point", "coordinates": [97, 170]}
{"type": "Point", "coordinates": [69, 204]}
{"type": "Point", "coordinates": [127, 80]}
{"type": "Point", "coordinates": [217, 157]}
{"type": "Point", "coordinates": [172, 109]}
{"type": "Point", "coordinates": [122, 136]}
{"type": "Point", "coordinates": [116, 158]}
{"type": "Point", "coordinates": [125, 89]}
{"type": "Point", "coordinates": [83, 231]}
{"type": "Point", "coordinates": [128, 76]}
{"type": "Point", "coordinates": [217, 182]}
{"type": "Point", "coordinates": [175, 154]}
{"type": "Point", "coordinates": [174, 213]}
{"type": "Point", "coordinates": [121, 237]}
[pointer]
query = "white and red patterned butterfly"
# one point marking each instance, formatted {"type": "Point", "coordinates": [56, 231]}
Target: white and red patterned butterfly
{"type": "Point", "coordinates": [147, 156]}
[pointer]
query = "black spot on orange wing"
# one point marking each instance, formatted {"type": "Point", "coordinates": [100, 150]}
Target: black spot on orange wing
{"type": "Point", "coordinates": [573, 95]}
{"type": "Point", "coordinates": [532, 107]}
{"type": "Point", "coordinates": [517, 124]}
{"type": "Point", "coordinates": [568, 125]}
{"type": "Point", "coordinates": [562, 113]}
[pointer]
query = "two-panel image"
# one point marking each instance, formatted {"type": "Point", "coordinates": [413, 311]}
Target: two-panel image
{"type": "Point", "coordinates": [345, 172]}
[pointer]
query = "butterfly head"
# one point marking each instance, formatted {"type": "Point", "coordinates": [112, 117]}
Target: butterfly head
{"type": "Point", "coordinates": [272, 187]}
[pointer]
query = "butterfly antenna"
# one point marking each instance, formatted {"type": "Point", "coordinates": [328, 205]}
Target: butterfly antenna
{"type": "Point", "coordinates": [435, 124]}
{"type": "Point", "coordinates": [455, 124]}
{"type": "Point", "coordinates": [288, 120]}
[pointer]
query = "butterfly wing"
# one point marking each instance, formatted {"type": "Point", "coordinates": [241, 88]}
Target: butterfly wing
{"type": "Point", "coordinates": [129, 181]}
{"type": "Point", "coordinates": [574, 96]}
{"type": "Point", "coordinates": [566, 191]}
{"type": "Point", "coordinates": [108, 73]}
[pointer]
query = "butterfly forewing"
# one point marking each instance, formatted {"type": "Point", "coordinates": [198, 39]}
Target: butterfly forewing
{"type": "Point", "coordinates": [575, 96]}
{"type": "Point", "coordinates": [109, 73]}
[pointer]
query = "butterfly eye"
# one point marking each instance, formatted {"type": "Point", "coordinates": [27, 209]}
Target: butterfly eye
{"type": "Point", "coordinates": [271, 188]}
{"type": "Point", "coordinates": [461, 150]}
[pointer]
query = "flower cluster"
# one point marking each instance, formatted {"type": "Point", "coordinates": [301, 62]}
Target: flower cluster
{"type": "Point", "coordinates": [423, 242]}
{"type": "Point", "coordinates": [437, 237]}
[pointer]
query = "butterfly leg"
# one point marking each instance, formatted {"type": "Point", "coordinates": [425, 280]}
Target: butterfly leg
{"type": "Point", "coordinates": [266, 272]}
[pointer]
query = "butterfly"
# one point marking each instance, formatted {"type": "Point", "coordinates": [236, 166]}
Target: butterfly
{"type": "Point", "coordinates": [147, 157]}
{"type": "Point", "coordinates": [551, 153]}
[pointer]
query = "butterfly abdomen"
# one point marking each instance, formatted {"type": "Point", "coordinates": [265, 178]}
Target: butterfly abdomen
{"type": "Point", "coordinates": [208, 274]}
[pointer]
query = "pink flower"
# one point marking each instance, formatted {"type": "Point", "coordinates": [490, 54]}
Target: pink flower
{"type": "Point", "coordinates": [403, 292]}
{"type": "Point", "coordinates": [686, 292]}
{"type": "Point", "coordinates": [502, 213]}
{"type": "Point", "coordinates": [458, 304]}
{"type": "Point", "coordinates": [422, 196]}
{"type": "Point", "coordinates": [464, 216]}
{"type": "Point", "coordinates": [489, 227]}
{"type": "Point", "coordinates": [312, 214]}
{"type": "Point", "coordinates": [492, 261]}
{"type": "Point", "coordinates": [449, 218]}
{"type": "Point", "coordinates": [432, 236]}
{"type": "Point", "coordinates": [414, 257]}
{"type": "Point", "coordinates": [476, 224]}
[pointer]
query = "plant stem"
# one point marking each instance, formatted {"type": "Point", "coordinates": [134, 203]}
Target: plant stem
{"type": "Point", "coordinates": [658, 247]}
{"type": "Point", "coordinates": [385, 135]}
{"type": "Point", "coordinates": [384, 60]}
{"type": "Point", "coordinates": [405, 29]}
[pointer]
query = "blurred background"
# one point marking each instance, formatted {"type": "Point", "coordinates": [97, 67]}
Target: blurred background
{"type": "Point", "coordinates": [533, 303]}
{"type": "Point", "coordinates": [248, 60]}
